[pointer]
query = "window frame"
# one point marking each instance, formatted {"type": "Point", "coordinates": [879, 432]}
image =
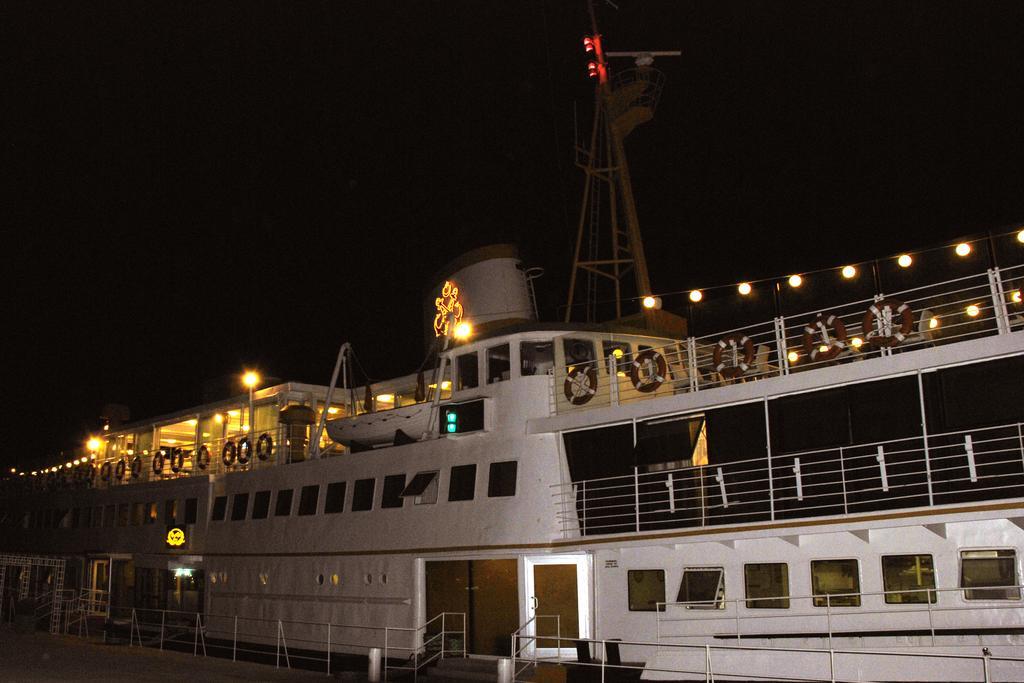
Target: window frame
{"type": "Point", "coordinates": [219, 509]}
{"type": "Point", "coordinates": [487, 355]}
{"type": "Point", "coordinates": [659, 605]}
{"type": "Point", "coordinates": [278, 512]}
{"type": "Point", "coordinates": [451, 476]}
{"type": "Point", "coordinates": [357, 493]}
{"type": "Point", "coordinates": [930, 594]}
{"type": "Point", "coordinates": [750, 603]}
{"type": "Point", "coordinates": [236, 514]}
{"type": "Point", "coordinates": [329, 508]}
{"type": "Point", "coordinates": [303, 509]}
{"type": "Point", "coordinates": [390, 495]}
{"type": "Point", "coordinates": [823, 599]}
{"type": "Point", "coordinates": [257, 507]}
{"type": "Point", "coordinates": [460, 384]}
{"type": "Point", "coordinates": [964, 590]}
{"type": "Point", "coordinates": [718, 603]}
{"type": "Point", "coordinates": [492, 486]}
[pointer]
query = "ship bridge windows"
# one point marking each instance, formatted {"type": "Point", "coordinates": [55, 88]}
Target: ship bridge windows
{"type": "Point", "coordinates": [621, 353]}
{"type": "Point", "coordinates": [334, 502]}
{"type": "Point", "coordinates": [191, 510]}
{"type": "Point", "coordinates": [422, 488]}
{"type": "Point", "coordinates": [702, 588]}
{"type": "Point", "coordinates": [177, 435]}
{"type": "Point", "coordinates": [767, 585]}
{"type": "Point", "coordinates": [536, 358]}
{"type": "Point", "coordinates": [308, 499]}
{"type": "Point", "coordinates": [391, 497]}
{"type": "Point", "coordinates": [989, 574]}
{"type": "Point", "coordinates": [468, 371]}
{"type": "Point", "coordinates": [462, 483]}
{"type": "Point", "coordinates": [283, 506]}
{"type": "Point", "coordinates": [908, 579]}
{"type": "Point", "coordinates": [220, 506]}
{"type": "Point", "coordinates": [499, 363]}
{"type": "Point", "coordinates": [578, 351]}
{"type": "Point", "coordinates": [261, 505]}
{"type": "Point", "coordinates": [502, 480]}
{"type": "Point", "coordinates": [362, 495]}
{"type": "Point", "coordinates": [170, 511]}
{"type": "Point", "coordinates": [239, 507]}
{"type": "Point", "coordinates": [835, 583]}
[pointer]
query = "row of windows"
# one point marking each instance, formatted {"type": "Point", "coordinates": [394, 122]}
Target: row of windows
{"type": "Point", "coordinates": [984, 575]}
{"type": "Point", "coordinates": [535, 358]}
{"type": "Point", "coordinates": [123, 514]}
{"type": "Point", "coordinates": [422, 488]}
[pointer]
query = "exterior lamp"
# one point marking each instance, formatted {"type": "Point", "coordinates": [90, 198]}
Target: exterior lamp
{"type": "Point", "coordinates": [856, 342]}
{"type": "Point", "coordinates": [744, 288]}
{"type": "Point", "coordinates": [696, 295]}
{"type": "Point", "coordinates": [973, 310]}
{"type": "Point", "coordinates": [795, 281]}
{"type": "Point", "coordinates": [793, 356]}
{"type": "Point", "coordinates": [1015, 296]}
{"type": "Point", "coordinates": [13, 470]}
{"type": "Point", "coordinates": [250, 379]}
{"type": "Point", "coordinates": [93, 444]}
{"type": "Point", "coordinates": [904, 260]}
{"type": "Point", "coordinates": [1020, 236]}
{"type": "Point", "coordinates": [463, 330]}
{"type": "Point", "coordinates": [933, 322]}
{"type": "Point", "coordinates": [963, 249]}
{"type": "Point", "coordinates": [849, 272]}
{"type": "Point", "coordinates": [650, 302]}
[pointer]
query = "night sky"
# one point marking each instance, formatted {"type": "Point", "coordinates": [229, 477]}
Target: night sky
{"type": "Point", "coordinates": [195, 188]}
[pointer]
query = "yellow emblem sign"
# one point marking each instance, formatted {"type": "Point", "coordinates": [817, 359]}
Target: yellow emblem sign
{"type": "Point", "coordinates": [175, 537]}
{"type": "Point", "coordinates": [449, 308]}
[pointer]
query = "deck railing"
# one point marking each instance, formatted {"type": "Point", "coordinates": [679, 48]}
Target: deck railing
{"type": "Point", "coordinates": [936, 469]}
{"type": "Point", "coordinates": [980, 305]}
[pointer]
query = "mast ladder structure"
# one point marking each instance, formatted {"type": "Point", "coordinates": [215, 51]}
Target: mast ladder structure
{"type": "Point", "coordinates": [616, 252]}
{"type": "Point", "coordinates": [26, 563]}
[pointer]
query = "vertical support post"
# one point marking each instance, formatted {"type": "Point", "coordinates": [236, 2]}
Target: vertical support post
{"type": "Point", "coordinates": [832, 664]}
{"type": "Point", "coordinates": [798, 479]}
{"type": "Point", "coordinates": [995, 284]}
{"type": "Point", "coordinates": [234, 642]}
{"type": "Point", "coordinates": [691, 363]}
{"type": "Point", "coordinates": [195, 640]}
{"type": "Point", "coordinates": [842, 474]}
{"type": "Point", "coordinates": [780, 344]}
{"type": "Point", "coordinates": [880, 458]}
{"type": "Point", "coordinates": [613, 381]}
{"type": "Point", "coordinates": [984, 662]}
{"type": "Point", "coordinates": [636, 496]}
{"type": "Point", "coordinates": [924, 436]}
{"type": "Point", "coordinates": [736, 611]}
{"type": "Point", "coordinates": [604, 657]}
{"type": "Point", "coordinates": [972, 468]}
{"type": "Point", "coordinates": [583, 496]}
{"type": "Point", "coordinates": [163, 618]}
{"type": "Point", "coordinates": [931, 624]}
{"type": "Point", "coordinates": [328, 648]}
{"type": "Point", "coordinates": [720, 478]}
{"type": "Point", "coordinates": [386, 651]}
{"type": "Point", "coordinates": [444, 632]}
{"type": "Point", "coordinates": [828, 616]}
{"type": "Point", "coordinates": [373, 666]}
{"type": "Point", "coordinates": [505, 670]}
{"type": "Point", "coordinates": [707, 664]}
{"type": "Point", "coordinates": [558, 635]}
{"type": "Point", "coordinates": [771, 472]}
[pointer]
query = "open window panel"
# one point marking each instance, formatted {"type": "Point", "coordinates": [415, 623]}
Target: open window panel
{"type": "Point", "coordinates": [702, 588]}
{"type": "Point", "coordinates": [558, 589]}
{"type": "Point", "coordinates": [422, 488]}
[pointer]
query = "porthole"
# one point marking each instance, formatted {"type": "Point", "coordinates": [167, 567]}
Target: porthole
{"type": "Point", "coordinates": [319, 579]}
{"type": "Point", "coordinates": [335, 579]}
{"type": "Point", "coordinates": [213, 578]}
{"type": "Point", "coordinates": [384, 579]}
{"type": "Point", "coordinates": [368, 579]}
{"type": "Point", "coordinates": [223, 577]}
{"type": "Point", "coordinates": [263, 579]}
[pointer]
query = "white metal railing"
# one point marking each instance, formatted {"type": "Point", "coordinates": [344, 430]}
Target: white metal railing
{"type": "Point", "coordinates": [976, 464]}
{"type": "Point", "coordinates": [971, 307]}
{"type": "Point", "coordinates": [928, 612]}
{"type": "Point", "coordinates": [707, 661]}
{"type": "Point", "coordinates": [525, 638]}
{"type": "Point", "coordinates": [280, 641]}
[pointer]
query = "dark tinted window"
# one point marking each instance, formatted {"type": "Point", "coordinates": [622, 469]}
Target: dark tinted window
{"type": "Point", "coordinates": [499, 363]}
{"type": "Point", "coordinates": [191, 510]}
{"type": "Point", "coordinates": [392, 494]}
{"type": "Point", "coordinates": [462, 484]}
{"type": "Point", "coordinates": [170, 511]}
{"type": "Point", "coordinates": [469, 371]}
{"type": "Point", "coordinates": [362, 495]}
{"type": "Point", "coordinates": [308, 499]}
{"type": "Point", "coordinates": [261, 505]}
{"type": "Point", "coordinates": [283, 508]}
{"type": "Point", "coordinates": [239, 506]}
{"type": "Point", "coordinates": [646, 589]}
{"type": "Point", "coordinates": [502, 481]}
{"type": "Point", "coordinates": [335, 501]}
{"type": "Point", "coordinates": [220, 506]}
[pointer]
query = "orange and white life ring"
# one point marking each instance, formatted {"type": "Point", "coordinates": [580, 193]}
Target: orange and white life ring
{"type": "Point", "coordinates": [879, 322]}
{"type": "Point", "coordinates": [648, 371]}
{"type": "Point", "coordinates": [580, 384]}
{"type": "Point", "coordinates": [816, 335]}
{"type": "Point", "coordinates": [739, 366]}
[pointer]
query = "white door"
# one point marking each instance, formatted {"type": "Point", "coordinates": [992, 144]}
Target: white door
{"type": "Point", "coordinates": [558, 589]}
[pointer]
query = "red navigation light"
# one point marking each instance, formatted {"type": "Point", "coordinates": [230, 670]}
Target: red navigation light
{"type": "Point", "coordinates": [588, 44]}
{"type": "Point", "coordinates": [592, 69]}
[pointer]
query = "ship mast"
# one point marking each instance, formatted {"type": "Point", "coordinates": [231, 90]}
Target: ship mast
{"type": "Point", "coordinates": [619, 106]}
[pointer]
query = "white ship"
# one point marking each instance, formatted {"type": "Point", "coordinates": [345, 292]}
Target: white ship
{"type": "Point", "coordinates": [835, 494]}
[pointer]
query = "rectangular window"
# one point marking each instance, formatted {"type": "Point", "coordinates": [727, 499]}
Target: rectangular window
{"type": "Point", "coordinates": [308, 499]}
{"type": "Point", "coordinates": [97, 517]}
{"type": "Point", "coordinates": [191, 510]}
{"type": "Point", "coordinates": [423, 488]}
{"type": "Point", "coordinates": [767, 585]}
{"type": "Point", "coordinates": [468, 371]}
{"type": "Point", "coordinates": [646, 590]}
{"type": "Point", "coordinates": [335, 501]}
{"type": "Point", "coordinates": [835, 583]}
{"type": "Point", "coordinates": [578, 352]}
{"type": "Point", "coordinates": [702, 588]}
{"type": "Point", "coordinates": [499, 363]}
{"type": "Point", "coordinates": [391, 497]}
{"type": "Point", "coordinates": [76, 518]}
{"type": "Point", "coordinates": [536, 358]}
{"type": "Point", "coordinates": [123, 511]}
{"type": "Point", "coordinates": [170, 511]}
{"type": "Point", "coordinates": [261, 505]}
{"type": "Point", "coordinates": [362, 495]}
{"type": "Point", "coordinates": [462, 483]}
{"type": "Point", "coordinates": [989, 574]}
{"type": "Point", "coordinates": [502, 481]}
{"type": "Point", "coordinates": [220, 507]}
{"type": "Point", "coordinates": [908, 579]}
{"type": "Point", "coordinates": [283, 508]}
{"type": "Point", "coordinates": [151, 513]}
{"type": "Point", "coordinates": [108, 516]}
{"type": "Point", "coordinates": [138, 512]}
{"type": "Point", "coordinates": [239, 507]}
{"type": "Point", "coordinates": [621, 353]}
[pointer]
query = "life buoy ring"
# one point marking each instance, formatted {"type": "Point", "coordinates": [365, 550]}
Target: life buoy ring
{"type": "Point", "coordinates": [878, 322]}
{"type": "Point", "coordinates": [120, 469]}
{"type": "Point", "coordinates": [203, 457]}
{"type": "Point", "coordinates": [656, 368]}
{"type": "Point", "coordinates": [229, 453]}
{"type": "Point", "coordinates": [105, 471]}
{"type": "Point", "coordinates": [177, 460]}
{"type": "Point", "coordinates": [136, 467]}
{"type": "Point", "coordinates": [264, 446]}
{"type": "Point", "coordinates": [158, 462]}
{"type": "Point", "coordinates": [580, 384]}
{"type": "Point", "coordinates": [734, 342]}
{"type": "Point", "coordinates": [244, 450]}
{"type": "Point", "coordinates": [816, 335]}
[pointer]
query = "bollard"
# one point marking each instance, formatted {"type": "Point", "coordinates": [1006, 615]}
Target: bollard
{"type": "Point", "coordinates": [373, 672]}
{"type": "Point", "coordinates": [505, 670]}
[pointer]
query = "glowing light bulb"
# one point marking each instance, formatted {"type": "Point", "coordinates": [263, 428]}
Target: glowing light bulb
{"type": "Point", "coordinates": [649, 302]}
{"type": "Point", "coordinates": [849, 272]}
{"type": "Point", "coordinates": [973, 310]}
{"type": "Point", "coordinates": [385, 398]}
{"type": "Point", "coordinates": [1015, 296]}
{"type": "Point", "coordinates": [856, 342]}
{"type": "Point", "coordinates": [463, 330]}
{"type": "Point", "coordinates": [696, 295]}
{"type": "Point", "coordinates": [823, 349]}
{"type": "Point", "coordinates": [218, 418]}
{"type": "Point", "coordinates": [93, 444]}
{"type": "Point", "coordinates": [744, 288]}
{"type": "Point", "coordinates": [904, 260]}
{"type": "Point", "coordinates": [793, 356]}
{"type": "Point", "coordinates": [795, 281]}
{"type": "Point", "coordinates": [963, 249]}
{"type": "Point", "coordinates": [1020, 236]}
{"type": "Point", "coordinates": [618, 353]}
{"type": "Point", "coordinates": [933, 322]}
